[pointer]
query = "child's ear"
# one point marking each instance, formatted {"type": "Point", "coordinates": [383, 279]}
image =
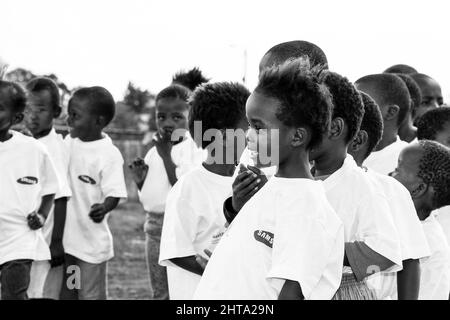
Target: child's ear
{"type": "Point", "coordinates": [359, 141]}
{"type": "Point", "coordinates": [101, 121]}
{"type": "Point", "coordinates": [420, 190]}
{"type": "Point", "coordinates": [57, 112]}
{"type": "Point", "coordinates": [392, 112]}
{"type": "Point", "coordinates": [18, 117]}
{"type": "Point", "coordinates": [336, 128]}
{"type": "Point", "coordinates": [300, 137]}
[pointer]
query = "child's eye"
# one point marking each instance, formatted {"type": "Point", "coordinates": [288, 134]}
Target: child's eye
{"type": "Point", "coordinates": [177, 118]}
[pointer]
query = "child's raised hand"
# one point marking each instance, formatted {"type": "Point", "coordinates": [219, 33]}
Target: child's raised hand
{"type": "Point", "coordinates": [246, 184]}
{"type": "Point", "coordinates": [35, 220]}
{"type": "Point", "coordinates": [139, 170]}
{"type": "Point", "coordinates": [98, 212]}
{"type": "Point", "coordinates": [163, 146]}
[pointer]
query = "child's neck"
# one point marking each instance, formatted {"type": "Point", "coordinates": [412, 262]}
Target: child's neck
{"type": "Point", "coordinates": [295, 167]}
{"type": "Point", "coordinates": [423, 210]}
{"type": "Point", "coordinates": [330, 162]}
{"type": "Point", "coordinates": [5, 135]}
{"type": "Point", "coordinates": [389, 137]}
{"type": "Point", "coordinates": [226, 170]}
{"type": "Point", "coordinates": [43, 133]}
{"type": "Point", "coordinates": [92, 137]}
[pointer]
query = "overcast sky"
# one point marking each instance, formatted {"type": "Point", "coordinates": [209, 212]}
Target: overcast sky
{"type": "Point", "coordinates": [108, 43]}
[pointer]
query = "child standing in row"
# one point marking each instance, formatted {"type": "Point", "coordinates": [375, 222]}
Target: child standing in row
{"type": "Point", "coordinates": [193, 220]}
{"type": "Point", "coordinates": [97, 183]}
{"type": "Point", "coordinates": [29, 184]}
{"type": "Point", "coordinates": [172, 154]}
{"type": "Point", "coordinates": [44, 107]}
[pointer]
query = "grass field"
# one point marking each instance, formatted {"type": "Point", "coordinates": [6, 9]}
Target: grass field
{"type": "Point", "coordinates": [127, 271]}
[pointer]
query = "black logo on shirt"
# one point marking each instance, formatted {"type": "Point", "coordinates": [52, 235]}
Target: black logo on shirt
{"type": "Point", "coordinates": [265, 237]}
{"type": "Point", "coordinates": [28, 180]}
{"type": "Point", "coordinates": [87, 179]}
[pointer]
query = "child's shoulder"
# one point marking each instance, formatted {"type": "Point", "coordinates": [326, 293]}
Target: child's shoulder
{"type": "Point", "coordinates": [22, 141]}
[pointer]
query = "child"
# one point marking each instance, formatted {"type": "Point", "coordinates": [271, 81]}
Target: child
{"type": "Point", "coordinates": [431, 94]}
{"type": "Point", "coordinates": [400, 68]}
{"type": "Point", "coordinates": [97, 182]}
{"type": "Point", "coordinates": [29, 184]}
{"type": "Point", "coordinates": [287, 242]}
{"type": "Point", "coordinates": [163, 165]}
{"type": "Point", "coordinates": [392, 96]}
{"type": "Point", "coordinates": [191, 79]}
{"type": "Point", "coordinates": [193, 220]}
{"type": "Point", "coordinates": [413, 241]}
{"type": "Point", "coordinates": [44, 106]}
{"type": "Point", "coordinates": [371, 239]}
{"type": "Point", "coordinates": [424, 169]}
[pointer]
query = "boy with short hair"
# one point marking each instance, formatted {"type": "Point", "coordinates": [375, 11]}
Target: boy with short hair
{"type": "Point", "coordinates": [29, 184]}
{"type": "Point", "coordinates": [97, 182]}
{"type": "Point", "coordinates": [287, 242]}
{"type": "Point", "coordinates": [392, 96]}
{"type": "Point", "coordinates": [44, 107]}
{"type": "Point", "coordinates": [193, 219]}
{"type": "Point", "coordinates": [404, 284]}
{"type": "Point", "coordinates": [424, 169]}
{"type": "Point", "coordinates": [431, 94]}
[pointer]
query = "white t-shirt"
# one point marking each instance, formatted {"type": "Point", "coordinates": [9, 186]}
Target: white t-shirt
{"type": "Point", "coordinates": [413, 241]}
{"type": "Point", "coordinates": [95, 173]}
{"type": "Point", "coordinates": [193, 221]}
{"type": "Point", "coordinates": [27, 173]}
{"type": "Point", "coordinates": [60, 155]}
{"type": "Point", "coordinates": [185, 155]}
{"type": "Point", "coordinates": [364, 211]}
{"type": "Point", "coordinates": [287, 230]}
{"type": "Point", "coordinates": [385, 161]}
{"type": "Point", "coordinates": [443, 217]}
{"type": "Point", "coordinates": [435, 270]}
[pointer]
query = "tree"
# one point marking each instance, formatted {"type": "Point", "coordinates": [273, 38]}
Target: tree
{"type": "Point", "coordinates": [136, 98]}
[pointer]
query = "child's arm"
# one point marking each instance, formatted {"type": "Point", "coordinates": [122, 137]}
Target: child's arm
{"type": "Point", "coordinates": [291, 291]}
{"type": "Point", "coordinates": [164, 149]}
{"type": "Point", "coordinates": [56, 245]}
{"type": "Point", "coordinates": [188, 263]}
{"type": "Point", "coordinates": [36, 220]}
{"type": "Point", "coordinates": [100, 210]}
{"type": "Point", "coordinates": [139, 171]}
{"type": "Point", "coordinates": [408, 280]}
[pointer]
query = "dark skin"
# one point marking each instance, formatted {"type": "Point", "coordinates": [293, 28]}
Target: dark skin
{"type": "Point", "coordinates": [87, 126]}
{"type": "Point", "coordinates": [171, 122]}
{"type": "Point", "coordinates": [196, 264]}
{"type": "Point", "coordinates": [431, 94]}
{"type": "Point", "coordinates": [443, 136]}
{"type": "Point", "coordinates": [408, 280]}
{"type": "Point", "coordinates": [8, 116]}
{"type": "Point", "coordinates": [407, 131]}
{"type": "Point", "coordinates": [39, 116]}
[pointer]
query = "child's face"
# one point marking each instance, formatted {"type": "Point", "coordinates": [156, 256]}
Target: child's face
{"type": "Point", "coordinates": [171, 114]}
{"type": "Point", "coordinates": [443, 136]}
{"type": "Point", "coordinates": [431, 96]}
{"type": "Point", "coordinates": [40, 112]}
{"type": "Point", "coordinates": [81, 121]}
{"type": "Point", "coordinates": [408, 167]}
{"type": "Point", "coordinates": [7, 116]}
{"type": "Point", "coordinates": [267, 138]}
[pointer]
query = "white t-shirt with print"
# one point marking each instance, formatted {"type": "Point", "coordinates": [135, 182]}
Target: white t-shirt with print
{"type": "Point", "coordinates": [193, 221]}
{"type": "Point", "coordinates": [286, 231]}
{"type": "Point", "coordinates": [435, 270]}
{"type": "Point", "coordinates": [385, 161]}
{"type": "Point", "coordinates": [185, 155]}
{"type": "Point", "coordinates": [413, 241]}
{"type": "Point", "coordinates": [27, 173]}
{"type": "Point", "coordinates": [59, 153]}
{"type": "Point", "coordinates": [364, 210]}
{"type": "Point", "coordinates": [95, 173]}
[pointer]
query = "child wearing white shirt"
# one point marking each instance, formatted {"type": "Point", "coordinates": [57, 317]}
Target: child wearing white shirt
{"type": "Point", "coordinates": [43, 107]}
{"type": "Point", "coordinates": [287, 242]}
{"type": "Point", "coordinates": [29, 184]}
{"type": "Point", "coordinates": [97, 182]}
{"type": "Point", "coordinates": [424, 169]}
{"type": "Point", "coordinates": [193, 220]}
{"type": "Point", "coordinates": [167, 160]}
{"type": "Point", "coordinates": [392, 96]}
{"type": "Point", "coordinates": [402, 285]}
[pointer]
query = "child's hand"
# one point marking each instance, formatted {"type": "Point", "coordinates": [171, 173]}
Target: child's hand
{"type": "Point", "coordinates": [163, 146]}
{"type": "Point", "coordinates": [57, 253]}
{"type": "Point", "coordinates": [201, 260]}
{"type": "Point", "coordinates": [139, 170]}
{"type": "Point", "coordinates": [246, 184]}
{"type": "Point", "coordinates": [35, 220]}
{"type": "Point", "coordinates": [98, 212]}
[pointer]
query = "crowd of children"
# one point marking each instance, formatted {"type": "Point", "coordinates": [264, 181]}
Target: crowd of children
{"type": "Point", "coordinates": [308, 187]}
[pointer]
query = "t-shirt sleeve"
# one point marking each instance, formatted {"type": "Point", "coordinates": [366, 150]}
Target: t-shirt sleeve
{"type": "Point", "coordinates": [301, 248]}
{"type": "Point", "coordinates": [180, 226]}
{"type": "Point", "coordinates": [50, 180]}
{"type": "Point", "coordinates": [112, 177]}
{"type": "Point", "coordinates": [62, 168]}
